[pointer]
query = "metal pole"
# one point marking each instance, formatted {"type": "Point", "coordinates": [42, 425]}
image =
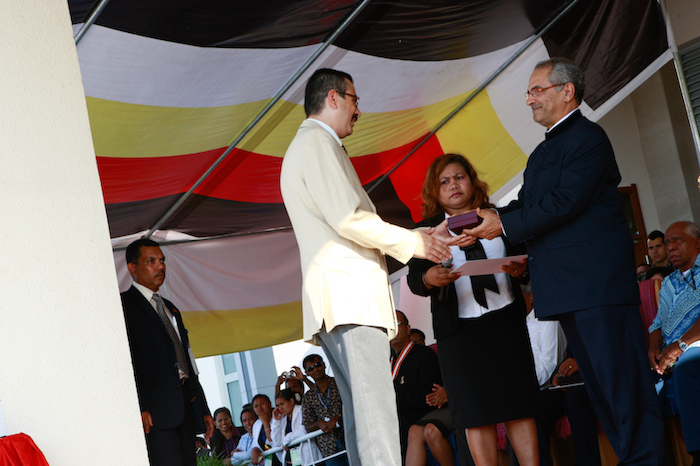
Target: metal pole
{"type": "Point", "coordinates": [473, 95]}
{"type": "Point", "coordinates": [209, 238]}
{"type": "Point", "coordinates": [258, 117]}
{"type": "Point", "coordinates": [680, 74]}
{"type": "Point", "coordinates": [91, 20]}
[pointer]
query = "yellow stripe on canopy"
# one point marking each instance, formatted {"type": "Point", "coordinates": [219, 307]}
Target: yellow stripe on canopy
{"type": "Point", "coordinates": [231, 331]}
{"type": "Point", "coordinates": [130, 130]}
{"type": "Point", "coordinates": [477, 133]}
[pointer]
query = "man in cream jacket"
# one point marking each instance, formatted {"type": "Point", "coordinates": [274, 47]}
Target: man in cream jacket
{"type": "Point", "coordinates": [347, 303]}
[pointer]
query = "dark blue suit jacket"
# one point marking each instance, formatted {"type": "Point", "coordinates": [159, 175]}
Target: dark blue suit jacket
{"type": "Point", "coordinates": [569, 214]}
{"type": "Point", "coordinates": [154, 360]}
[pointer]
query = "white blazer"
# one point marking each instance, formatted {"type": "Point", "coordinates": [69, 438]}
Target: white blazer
{"type": "Point", "coordinates": [342, 241]}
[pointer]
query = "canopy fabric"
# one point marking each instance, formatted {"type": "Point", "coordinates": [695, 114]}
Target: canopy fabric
{"type": "Point", "coordinates": [169, 84]}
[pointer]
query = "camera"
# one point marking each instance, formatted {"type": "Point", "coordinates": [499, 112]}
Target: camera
{"type": "Point", "coordinates": [290, 374]}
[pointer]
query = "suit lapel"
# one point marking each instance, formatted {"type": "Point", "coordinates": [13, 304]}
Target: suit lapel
{"type": "Point", "coordinates": [146, 307]}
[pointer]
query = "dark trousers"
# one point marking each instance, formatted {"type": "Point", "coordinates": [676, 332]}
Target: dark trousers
{"type": "Point", "coordinates": [609, 348]}
{"type": "Point", "coordinates": [575, 403]}
{"type": "Point", "coordinates": [174, 447]}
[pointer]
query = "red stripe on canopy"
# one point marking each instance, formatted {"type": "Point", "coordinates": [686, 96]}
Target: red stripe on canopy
{"type": "Point", "coordinates": [245, 176]}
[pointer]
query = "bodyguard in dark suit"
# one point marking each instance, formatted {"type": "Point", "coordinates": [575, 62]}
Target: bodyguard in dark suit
{"type": "Point", "coordinates": [173, 406]}
{"type": "Point", "coordinates": [581, 261]}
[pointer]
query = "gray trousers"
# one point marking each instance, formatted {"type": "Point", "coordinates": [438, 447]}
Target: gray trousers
{"type": "Point", "coordinates": [359, 356]}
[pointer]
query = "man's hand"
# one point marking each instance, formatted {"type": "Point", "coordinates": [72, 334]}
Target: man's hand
{"type": "Point", "coordinates": [667, 358]}
{"type": "Point", "coordinates": [431, 246]}
{"type": "Point", "coordinates": [147, 421]}
{"type": "Point", "coordinates": [490, 228]}
{"type": "Point", "coordinates": [515, 269]}
{"type": "Point", "coordinates": [209, 422]}
{"type": "Point", "coordinates": [654, 359]}
{"type": "Point", "coordinates": [439, 276]}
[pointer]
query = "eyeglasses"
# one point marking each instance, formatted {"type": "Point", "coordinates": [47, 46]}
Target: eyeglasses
{"type": "Point", "coordinates": [355, 98]}
{"type": "Point", "coordinates": [535, 91]}
{"type": "Point", "coordinates": [314, 366]}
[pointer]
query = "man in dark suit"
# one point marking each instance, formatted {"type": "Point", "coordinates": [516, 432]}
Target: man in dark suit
{"type": "Point", "coordinates": [569, 214]}
{"type": "Point", "coordinates": [173, 406]}
{"type": "Point", "coordinates": [415, 369]}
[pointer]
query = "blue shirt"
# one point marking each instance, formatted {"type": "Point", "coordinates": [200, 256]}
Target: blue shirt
{"type": "Point", "coordinates": [679, 304]}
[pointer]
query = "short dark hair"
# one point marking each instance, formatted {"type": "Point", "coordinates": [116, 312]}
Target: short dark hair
{"type": "Point", "coordinates": [320, 83]}
{"type": "Point", "coordinates": [404, 316]}
{"type": "Point", "coordinates": [260, 395]}
{"type": "Point", "coordinates": [419, 332]}
{"type": "Point", "coordinates": [656, 234]}
{"type": "Point", "coordinates": [565, 71]}
{"type": "Point", "coordinates": [133, 251]}
{"type": "Point", "coordinates": [223, 409]}
{"type": "Point", "coordinates": [309, 358]}
{"type": "Point", "coordinates": [287, 394]}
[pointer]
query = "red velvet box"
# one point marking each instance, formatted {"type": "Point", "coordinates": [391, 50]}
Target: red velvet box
{"type": "Point", "coordinates": [464, 221]}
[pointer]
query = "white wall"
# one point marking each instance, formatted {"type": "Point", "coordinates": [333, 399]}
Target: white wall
{"type": "Point", "coordinates": [66, 377]}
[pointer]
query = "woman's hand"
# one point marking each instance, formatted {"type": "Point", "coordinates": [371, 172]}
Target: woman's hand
{"type": "Point", "coordinates": [438, 397]}
{"type": "Point", "coordinates": [439, 276]}
{"type": "Point", "coordinates": [568, 368]}
{"type": "Point", "coordinates": [276, 414]}
{"type": "Point", "coordinates": [516, 269]}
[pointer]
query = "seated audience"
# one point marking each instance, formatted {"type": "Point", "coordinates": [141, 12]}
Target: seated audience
{"type": "Point", "coordinates": [322, 409]}
{"type": "Point", "coordinates": [674, 340]}
{"type": "Point", "coordinates": [641, 272]}
{"type": "Point", "coordinates": [649, 290]}
{"type": "Point", "coordinates": [226, 436]}
{"type": "Point", "coordinates": [262, 431]}
{"type": "Point", "coordinates": [415, 370]}
{"type": "Point", "coordinates": [417, 337]}
{"type": "Point", "coordinates": [287, 426]}
{"type": "Point", "coordinates": [202, 449]}
{"type": "Point", "coordinates": [657, 250]}
{"type": "Point", "coordinates": [246, 444]}
{"type": "Point", "coordinates": [432, 430]}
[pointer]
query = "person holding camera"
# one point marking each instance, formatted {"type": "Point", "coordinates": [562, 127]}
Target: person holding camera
{"type": "Point", "coordinates": [293, 379]}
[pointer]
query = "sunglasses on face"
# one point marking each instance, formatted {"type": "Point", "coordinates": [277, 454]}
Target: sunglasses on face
{"type": "Point", "coordinates": [314, 366]}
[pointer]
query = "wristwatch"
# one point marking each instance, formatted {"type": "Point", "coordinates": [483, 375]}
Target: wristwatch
{"type": "Point", "coordinates": [682, 345]}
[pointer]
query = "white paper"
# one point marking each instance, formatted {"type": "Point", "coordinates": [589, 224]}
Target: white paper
{"type": "Point", "coordinates": [487, 266]}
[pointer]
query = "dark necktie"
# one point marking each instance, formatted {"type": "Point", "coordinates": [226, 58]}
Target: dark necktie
{"type": "Point", "coordinates": [179, 349]}
{"type": "Point", "coordinates": [480, 282]}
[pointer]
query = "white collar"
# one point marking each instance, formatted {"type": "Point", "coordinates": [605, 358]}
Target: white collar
{"type": "Point", "coordinates": [146, 292]}
{"type": "Point", "coordinates": [564, 118]}
{"type": "Point", "coordinates": [327, 128]}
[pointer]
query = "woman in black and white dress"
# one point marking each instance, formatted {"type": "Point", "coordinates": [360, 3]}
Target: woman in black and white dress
{"type": "Point", "coordinates": [479, 323]}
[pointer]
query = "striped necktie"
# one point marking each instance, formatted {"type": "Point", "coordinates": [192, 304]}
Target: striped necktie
{"type": "Point", "coordinates": [179, 348]}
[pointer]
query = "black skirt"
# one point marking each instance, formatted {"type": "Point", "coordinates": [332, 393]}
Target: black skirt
{"type": "Point", "coordinates": [488, 369]}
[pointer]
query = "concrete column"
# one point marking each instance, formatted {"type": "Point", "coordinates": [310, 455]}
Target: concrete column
{"type": "Point", "coordinates": [65, 372]}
